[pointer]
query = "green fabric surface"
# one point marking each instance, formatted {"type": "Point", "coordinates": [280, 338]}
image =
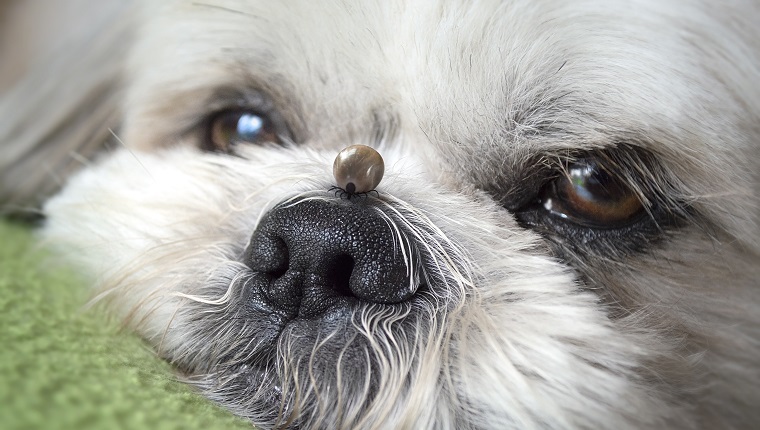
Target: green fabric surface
{"type": "Point", "coordinates": [64, 367]}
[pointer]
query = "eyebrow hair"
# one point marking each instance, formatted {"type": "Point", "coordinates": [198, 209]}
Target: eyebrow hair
{"type": "Point", "coordinates": [517, 179]}
{"type": "Point", "coordinates": [385, 126]}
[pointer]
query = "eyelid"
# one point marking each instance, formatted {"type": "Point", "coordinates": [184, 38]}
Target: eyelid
{"type": "Point", "coordinates": [229, 99]}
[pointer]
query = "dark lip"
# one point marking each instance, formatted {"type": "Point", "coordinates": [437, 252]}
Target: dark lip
{"type": "Point", "coordinates": [258, 371]}
{"type": "Point", "coordinates": [311, 305]}
{"type": "Point", "coordinates": [310, 308]}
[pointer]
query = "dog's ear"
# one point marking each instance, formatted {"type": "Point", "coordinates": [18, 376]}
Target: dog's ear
{"type": "Point", "coordinates": [65, 104]}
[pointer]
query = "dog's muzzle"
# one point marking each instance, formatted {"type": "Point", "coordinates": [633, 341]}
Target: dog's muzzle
{"type": "Point", "coordinates": [317, 254]}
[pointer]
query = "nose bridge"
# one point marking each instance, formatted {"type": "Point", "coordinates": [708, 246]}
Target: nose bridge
{"type": "Point", "coordinates": [316, 250]}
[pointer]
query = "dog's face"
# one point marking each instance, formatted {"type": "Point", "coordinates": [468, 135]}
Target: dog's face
{"type": "Point", "coordinates": [566, 235]}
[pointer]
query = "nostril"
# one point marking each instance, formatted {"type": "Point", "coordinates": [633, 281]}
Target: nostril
{"type": "Point", "coordinates": [281, 258]}
{"type": "Point", "coordinates": [269, 254]}
{"type": "Point", "coordinates": [339, 274]}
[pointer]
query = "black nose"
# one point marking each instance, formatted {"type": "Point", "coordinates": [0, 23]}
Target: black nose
{"type": "Point", "coordinates": [318, 253]}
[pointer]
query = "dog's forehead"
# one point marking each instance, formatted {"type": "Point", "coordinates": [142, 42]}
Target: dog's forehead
{"type": "Point", "coordinates": [487, 78]}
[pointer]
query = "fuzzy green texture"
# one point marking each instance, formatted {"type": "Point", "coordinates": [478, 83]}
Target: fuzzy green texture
{"type": "Point", "coordinates": [64, 367]}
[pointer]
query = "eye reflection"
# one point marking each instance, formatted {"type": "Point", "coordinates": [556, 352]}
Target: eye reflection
{"type": "Point", "coordinates": [249, 127]}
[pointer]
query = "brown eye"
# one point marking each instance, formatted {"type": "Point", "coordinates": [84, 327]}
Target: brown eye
{"type": "Point", "coordinates": [589, 195]}
{"type": "Point", "coordinates": [235, 127]}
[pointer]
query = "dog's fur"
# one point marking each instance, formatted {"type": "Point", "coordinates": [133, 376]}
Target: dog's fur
{"type": "Point", "coordinates": [527, 321]}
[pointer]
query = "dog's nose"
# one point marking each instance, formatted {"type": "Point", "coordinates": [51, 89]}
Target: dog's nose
{"type": "Point", "coordinates": [319, 253]}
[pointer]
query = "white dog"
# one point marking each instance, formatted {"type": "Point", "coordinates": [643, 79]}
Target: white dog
{"type": "Point", "coordinates": [567, 234]}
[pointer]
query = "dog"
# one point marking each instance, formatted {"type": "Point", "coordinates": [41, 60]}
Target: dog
{"type": "Point", "coordinates": [413, 214]}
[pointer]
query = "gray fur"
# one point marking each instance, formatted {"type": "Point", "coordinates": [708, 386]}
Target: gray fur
{"type": "Point", "coordinates": [61, 112]}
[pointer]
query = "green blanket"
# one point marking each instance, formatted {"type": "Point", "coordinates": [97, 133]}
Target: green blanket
{"type": "Point", "coordinates": [64, 367]}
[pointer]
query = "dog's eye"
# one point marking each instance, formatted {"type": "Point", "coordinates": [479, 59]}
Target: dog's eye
{"type": "Point", "coordinates": [607, 203]}
{"type": "Point", "coordinates": [588, 195]}
{"type": "Point", "coordinates": [235, 127]}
